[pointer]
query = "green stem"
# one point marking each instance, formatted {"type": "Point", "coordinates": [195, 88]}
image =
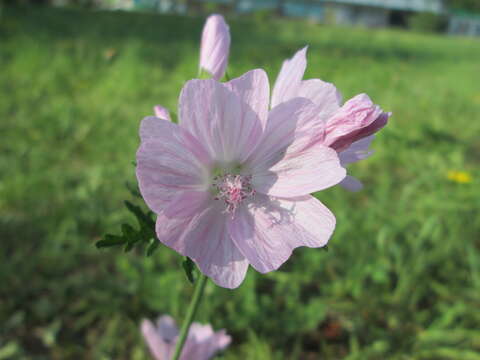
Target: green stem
{"type": "Point", "coordinates": [192, 309]}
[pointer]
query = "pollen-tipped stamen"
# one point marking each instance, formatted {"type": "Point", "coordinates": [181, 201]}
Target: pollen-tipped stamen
{"type": "Point", "coordinates": [232, 189]}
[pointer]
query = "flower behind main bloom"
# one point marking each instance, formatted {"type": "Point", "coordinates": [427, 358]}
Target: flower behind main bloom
{"type": "Point", "coordinates": [348, 129]}
{"type": "Point", "coordinates": [202, 342]}
{"type": "Point", "coordinates": [215, 46]}
{"type": "Point", "coordinates": [231, 182]}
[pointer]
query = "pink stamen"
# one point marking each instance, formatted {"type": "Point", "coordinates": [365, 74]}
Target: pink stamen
{"type": "Point", "coordinates": [233, 189]}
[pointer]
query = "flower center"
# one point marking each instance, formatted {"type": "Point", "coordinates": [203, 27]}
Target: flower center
{"type": "Point", "coordinates": [232, 189]}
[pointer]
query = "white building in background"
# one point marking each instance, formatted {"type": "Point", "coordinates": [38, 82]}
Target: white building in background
{"type": "Point", "coordinates": [378, 13]}
{"type": "Point", "coordinates": [464, 24]}
{"type": "Point", "coordinates": [371, 13]}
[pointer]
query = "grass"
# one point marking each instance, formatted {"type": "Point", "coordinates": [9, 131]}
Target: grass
{"type": "Point", "coordinates": [401, 279]}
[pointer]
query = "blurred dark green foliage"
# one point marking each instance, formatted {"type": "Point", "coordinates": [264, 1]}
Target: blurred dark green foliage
{"type": "Point", "coordinates": [401, 279]}
{"type": "Point", "coordinates": [428, 22]}
{"type": "Point", "coordinates": [472, 5]}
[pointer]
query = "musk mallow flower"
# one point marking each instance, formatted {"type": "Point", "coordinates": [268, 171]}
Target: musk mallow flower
{"type": "Point", "coordinates": [231, 183]}
{"type": "Point", "coordinates": [202, 342]}
{"type": "Point", "coordinates": [348, 128]}
{"type": "Point", "coordinates": [215, 46]}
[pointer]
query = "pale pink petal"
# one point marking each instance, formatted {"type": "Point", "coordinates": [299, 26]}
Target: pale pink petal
{"type": "Point", "coordinates": [357, 151]}
{"type": "Point", "coordinates": [205, 240]}
{"type": "Point", "coordinates": [215, 46]}
{"type": "Point", "coordinates": [359, 117]}
{"type": "Point", "coordinates": [323, 94]}
{"type": "Point", "coordinates": [222, 340]}
{"type": "Point", "coordinates": [161, 112]}
{"type": "Point", "coordinates": [168, 162]}
{"type": "Point", "coordinates": [167, 328]}
{"type": "Point", "coordinates": [187, 203]}
{"type": "Point", "coordinates": [203, 343]}
{"type": "Point", "coordinates": [350, 183]}
{"type": "Point", "coordinates": [290, 160]}
{"type": "Point", "coordinates": [301, 173]}
{"type": "Point", "coordinates": [150, 128]}
{"type": "Point", "coordinates": [219, 118]}
{"type": "Point", "coordinates": [268, 229]}
{"type": "Point", "coordinates": [291, 125]}
{"type": "Point", "coordinates": [288, 80]}
{"type": "Point", "coordinates": [254, 90]}
{"type": "Point", "coordinates": [191, 351]}
{"type": "Point", "coordinates": [200, 332]}
{"type": "Point", "coordinates": [159, 348]}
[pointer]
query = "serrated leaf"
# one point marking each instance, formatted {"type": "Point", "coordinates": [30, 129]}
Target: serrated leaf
{"type": "Point", "coordinates": [142, 218]}
{"type": "Point", "coordinates": [129, 246]}
{"type": "Point", "coordinates": [110, 240]}
{"type": "Point", "coordinates": [133, 190]}
{"type": "Point", "coordinates": [129, 233]}
{"type": "Point", "coordinates": [146, 234]}
{"type": "Point", "coordinates": [189, 267]}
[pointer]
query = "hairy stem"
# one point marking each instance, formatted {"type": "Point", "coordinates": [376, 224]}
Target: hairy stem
{"type": "Point", "coordinates": [192, 310]}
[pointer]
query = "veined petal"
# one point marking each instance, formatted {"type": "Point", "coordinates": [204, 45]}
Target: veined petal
{"type": "Point", "coordinates": [291, 160]}
{"type": "Point", "coordinates": [220, 119]}
{"type": "Point", "coordinates": [215, 46]}
{"type": "Point", "coordinates": [267, 230]}
{"type": "Point", "coordinates": [169, 160]}
{"type": "Point", "coordinates": [254, 90]}
{"type": "Point", "coordinates": [187, 203]}
{"type": "Point", "coordinates": [324, 95]}
{"type": "Point", "coordinates": [359, 117]}
{"type": "Point", "coordinates": [289, 78]}
{"type": "Point", "coordinates": [204, 238]}
{"type": "Point", "coordinates": [291, 125]}
{"type": "Point", "coordinates": [301, 173]}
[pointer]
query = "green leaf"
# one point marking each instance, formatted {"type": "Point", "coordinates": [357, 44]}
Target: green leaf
{"type": "Point", "coordinates": [142, 218]}
{"type": "Point", "coordinates": [129, 246]}
{"type": "Point", "coordinates": [133, 190]}
{"type": "Point", "coordinates": [152, 247]}
{"type": "Point", "coordinates": [110, 240]}
{"type": "Point", "coordinates": [189, 267]}
{"type": "Point", "coordinates": [129, 233]}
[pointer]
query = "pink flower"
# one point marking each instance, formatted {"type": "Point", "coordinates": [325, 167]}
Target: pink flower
{"type": "Point", "coordinates": [215, 46]}
{"type": "Point", "coordinates": [230, 184]}
{"type": "Point", "coordinates": [345, 125]}
{"type": "Point", "coordinates": [202, 342]}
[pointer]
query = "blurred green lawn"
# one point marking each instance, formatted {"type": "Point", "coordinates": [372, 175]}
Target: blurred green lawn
{"type": "Point", "coordinates": [401, 279]}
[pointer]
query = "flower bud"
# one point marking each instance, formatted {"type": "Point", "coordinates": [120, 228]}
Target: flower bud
{"type": "Point", "coordinates": [215, 46]}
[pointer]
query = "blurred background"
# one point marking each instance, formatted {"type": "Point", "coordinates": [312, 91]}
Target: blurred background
{"type": "Point", "coordinates": [401, 277]}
